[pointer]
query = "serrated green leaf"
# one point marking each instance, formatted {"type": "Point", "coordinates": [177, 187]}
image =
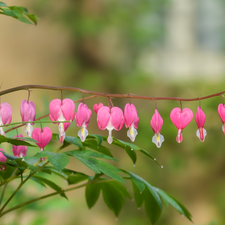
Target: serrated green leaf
{"type": "Point", "coordinates": [152, 208]}
{"type": "Point", "coordinates": [92, 193]}
{"type": "Point", "coordinates": [177, 205]}
{"type": "Point", "coordinates": [138, 196]}
{"type": "Point", "coordinates": [81, 153]}
{"type": "Point", "coordinates": [51, 184]}
{"type": "Point", "coordinates": [58, 160]}
{"type": "Point", "coordinates": [98, 138]}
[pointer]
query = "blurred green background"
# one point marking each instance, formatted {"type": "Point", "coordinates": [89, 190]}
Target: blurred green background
{"type": "Point", "coordinates": [172, 48]}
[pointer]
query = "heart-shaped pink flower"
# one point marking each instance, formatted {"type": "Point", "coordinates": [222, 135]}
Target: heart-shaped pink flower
{"type": "Point", "coordinates": [28, 113]}
{"type": "Point", "coordinates": [131, 120]}
{"type": "Point", "coordinates": [200, 120]}
{"type": "Point", "coordinates": [110, 119]}
{"type": "Point", "coordinates": [43, 137]}
{"type": "Point", "coordinates": [82, 117]}
{"type": "Point", "coordinates": [62, 111]}
{"type": "Point", "coordinates": [5, 115]}
{"type": "Point", "coordinates": [221, 111]}
{"type": "Point", "coordinates": [96, 107]}
{"type": "Point", "coordinates": [156, 124]}
{"type": "Point", "coordinates": [181, 120]}
{"type": "Point", "coordinates": [2, 159]}
{"type": "Point", "coordinates": [19, 151]}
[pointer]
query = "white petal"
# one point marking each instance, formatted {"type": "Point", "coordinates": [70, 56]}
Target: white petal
{"type": "Point", "coordinates": [83, 133]}
{"type": "Point", "coordinates": [204, 134]}
{"type": "Point", "coordinates": [132, 133]}
{"type": "Point", "coordinates": [28, 129]}
{"type": "Point", "coordinates": [110, 139]}
{"type": "Point", "coordinates": [223, 127]}
{"type": "Point", "coordinates": [2, 131]}
{"type": "Point", "coordinates": [158, 139]}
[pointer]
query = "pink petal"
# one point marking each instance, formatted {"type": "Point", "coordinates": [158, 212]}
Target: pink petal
{"type": "Point", "coordinates": [130, 115]}
{"type": "Point", "coordinates": [200, 117]}
{"type": "Point", "coordinates": [221, 111]}
{"type": "Point", "coordinates": [42, 137]}
{"type": "Point", "coordinates": [83, 115]}
{"type": "Point", "coordinates": [96, 107]}
{"type": "Point", "coordinates": [156, 122]}
{"type": "Point", "coordinates": [68, 108]}
{"type": "Point", "coordinates": [6, 113]}
{"type": "Point", "coordinates": [19, 150]}
{"type": "Point", "coordinates": [117, 118]}
{"type": "Point", "coordinates": [2, 159]}
{"type": "Point", "coordinates": [103, 117]}
{"type": "Point", "coordinates": [55, 109]}
{"type": "Point", "coordinates": [181, 119]}
{"type": "Point", "coordinates": [27, 111]}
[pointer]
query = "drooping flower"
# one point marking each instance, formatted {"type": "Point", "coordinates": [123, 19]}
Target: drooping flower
{"type": "Point", "coordinates": [221, 111]}
{"type": "Point", "coordinates": [156, 124]}
{"type": "Point", "coordinates": [200, 120]}
{"type": "Point", "coordinates": [181, 119]}
{"type": "Point", "coordinates": [19, 151]}
{"type": "Point", "coordinates": [62, 111]}
{"type": "Point", "coordinates": [96, 107]}
{"type": "Point", "coordinates": [2, 159]}
{"type": "Point", "coordinates": [28, 113]}
{"type": "Point", "coordinates": [131, 120]}
{"type": "Point", "coordinates": [110, 119]}
{"type": "Point", "coordinates": [82, 117]}
{"type": "Point", "coordinates": [43, 137]}
{"type": "Point", "coordinates": [5, 115]}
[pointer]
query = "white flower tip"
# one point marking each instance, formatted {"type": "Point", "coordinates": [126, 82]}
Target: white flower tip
{"type": "Point", "coordinates": [2, 131]}
{"type": "Point", "coordinates": [132, 133]}
{"type": "Point", "coordinates": [201, 133]}
{"type": "Point", "coordinates": [83, 133]}
{"type": "Point", "coordinates": [110, 139]}
{"type": "Point", "coordinates": [158, 139]}
{"type": "Point", "coordinates": [28, 129]}
{"type": "Point", "coordinates": [223, 128]}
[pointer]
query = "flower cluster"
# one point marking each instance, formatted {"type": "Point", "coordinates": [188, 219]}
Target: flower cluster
{"type": "Point", "coordinates": [110, 118]}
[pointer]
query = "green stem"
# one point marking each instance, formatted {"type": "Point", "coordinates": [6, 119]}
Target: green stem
{"type": "Point", "coordinates": [6, 125]}
{"type": "Point", "coordinates": [52, 194]}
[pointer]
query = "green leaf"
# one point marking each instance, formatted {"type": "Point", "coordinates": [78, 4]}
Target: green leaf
{"type": "Point", "coordinates": [58, 160]}
{"type": "Point", "coordinates": [81, 153]}
{"type": "Point", "coordinates": [10, 157]}
{"type": "Point", "coordinates": [177, 205]}
{"type": "Point", "coordinates": [36, 180]}
{"type": "Point", "coordinates": [113, 196]}
{"type": "Point", "coordinates": [77, 178]}
{"type": "Point", "coordinates": [2, 4]}
{"type": "Point", "coordinates": [139, 199]}
{"type": "Point", "coordinates": [51, 184]}
{"type": "Point", "coordinates": [99, 166]}
{"type": "Point", "coordinates": [92, 193]}
{"type": "Point", "coordinates": [141, 183]}
{"type": "Point", "coordinates": [27, 139]}
{"type": "Point", "coordinates": [93, 145]}
{"type": "Point", "coordinates": [74, 140]}
{"type": "Point", "coordinates": [14, 141]}
{"type": "Point", "coordinates": [152, 209]}
{"type": "Point", "coordinates": [98, 138]}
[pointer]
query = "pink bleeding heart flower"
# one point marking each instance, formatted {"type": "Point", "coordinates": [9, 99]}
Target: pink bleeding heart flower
{"type": "Point", "coordinates": [19, 151]}
{"type": "Point", "coordinates": [110, 119]}
{"type": "Point", "coordinates": [2, 159]}
{"type": "Point", "coordinates": [156, 124]}
{"type": "Point", "coordinates": [200, 120]}
{"type": "Point", "coordinates": [221, 111]}
{"type": "Point", "coordinates": [131, 120]}
{"type": "Point", "coordinates": [62, 111]}
{"type": "Point", "coordinates": [96, 107]}
{"type": "Point", "coordinates": [28, 113]}
{"type": "Point", "coordinates": [181, 119]}
{"type": "Point", "coordinates": [5, 115]}
{"type": "Point", "coordinates": [82, 117]}
{"type": "Point", "coordinates": [43, 137]}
